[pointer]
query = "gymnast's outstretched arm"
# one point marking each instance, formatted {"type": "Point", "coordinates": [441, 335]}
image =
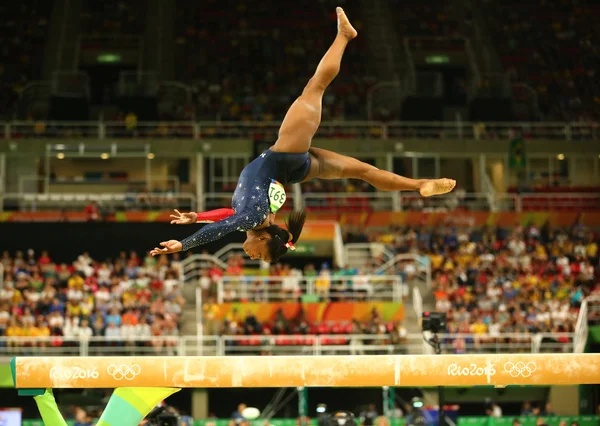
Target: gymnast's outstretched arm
{"type": "Point", "coordinates": [205, 217]}
{"type": "Point", "coordinates": [209, 233]}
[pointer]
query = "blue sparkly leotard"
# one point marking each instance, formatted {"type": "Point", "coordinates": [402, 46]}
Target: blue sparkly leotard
{"type": "Point", "coordinates": [250, 200]}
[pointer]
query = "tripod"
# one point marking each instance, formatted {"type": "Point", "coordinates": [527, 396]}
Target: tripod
{"type": "Point", "coordinates": [436, 344]}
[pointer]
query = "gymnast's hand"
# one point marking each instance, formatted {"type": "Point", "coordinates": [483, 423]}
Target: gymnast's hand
{"type": "Point", "coordinates": [171, 246]}
{"type": "Point", "coordinates": [183, 218]}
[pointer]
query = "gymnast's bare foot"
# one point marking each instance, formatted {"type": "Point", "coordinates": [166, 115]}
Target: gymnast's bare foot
{"type": "Point", "coordinates": [345, 28]}
{"type": "Point", "coordinates": [437, 187]}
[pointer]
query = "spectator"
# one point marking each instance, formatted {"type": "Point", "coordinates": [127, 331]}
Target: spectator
{"type": "Point", "coordinates": [368, 416]}
{"type": "Point", "coordinates": [237, 414]}
{"type": "Point", "coordinates": [92, 212]}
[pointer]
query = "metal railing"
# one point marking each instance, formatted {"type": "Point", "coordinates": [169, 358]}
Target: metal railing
{"type": "Point", "coordinates": [347, 202]}
{"type": "Point", "coordinates": [325, 344]}
{"type": "Point", "coordinates": [30, 200]}
{"type": "Point", "coordinates": [337, 130]}
{"type": "Point", "coordinates": [112, 201]}
{"type": "Point", "coordinates": [581, 328]}
{"type": "Point", "coordinates": [351, 288]}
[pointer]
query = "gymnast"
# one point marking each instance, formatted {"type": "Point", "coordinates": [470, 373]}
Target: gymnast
{"type": "Point", "coordinates": [260, 188]}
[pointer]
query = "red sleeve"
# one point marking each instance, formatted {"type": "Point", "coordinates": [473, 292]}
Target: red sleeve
{"type": "Point", "coordinates": [214, 215]}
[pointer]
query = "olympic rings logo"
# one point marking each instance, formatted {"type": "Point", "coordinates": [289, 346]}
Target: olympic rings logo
{"type": "Point", "coordinates": [120, 372]}
{"type": "Point", "coordinates": [520, 369]}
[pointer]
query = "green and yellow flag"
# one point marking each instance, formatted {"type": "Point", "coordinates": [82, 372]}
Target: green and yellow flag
{"type": "Point", "coordinates": [516, 154]}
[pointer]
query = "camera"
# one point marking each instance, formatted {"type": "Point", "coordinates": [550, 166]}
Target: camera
{"type": "Point", "coordinates": [434, 321]}
{"type": "Point", "coordinates": [162, 416]}
{"type": "Point", "coordinates": [339, 418]}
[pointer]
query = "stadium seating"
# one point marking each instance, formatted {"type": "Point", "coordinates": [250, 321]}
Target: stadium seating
{"type": "Point", "coordinates": [250, 60]}
{"type": "Point", "coordinates": [23, 32]}
{"type": "Point", "coordinates": [556, 53]}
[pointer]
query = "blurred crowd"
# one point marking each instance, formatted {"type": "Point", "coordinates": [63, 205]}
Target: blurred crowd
{"type": "Point", "coordinates": [121, 299]}
{"type": "Point", "coordinates": [23, 33]}
{"type": "Point", "coordinates": [557, 53]}
{"type": "Point", "coordinates": [520, 279]}
{"type": "Point", "coordinates": [253, 68]}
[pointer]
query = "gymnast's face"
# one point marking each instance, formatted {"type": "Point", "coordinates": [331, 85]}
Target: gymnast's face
{"type": "Point", "coordinates": [256, 247]}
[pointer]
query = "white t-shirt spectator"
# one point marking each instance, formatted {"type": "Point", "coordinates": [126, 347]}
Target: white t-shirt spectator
{"type": "Point", "coordinates": [172, 307]}
{"type": "Point", "coordinates": [113, 333]}
{"type": "Point", "coordinates": [7, 294]}
{"type": "Point", "coordinates": [516, 246]}
{"type": "Point", "coordinates": [74, 294]}
{"type": "Point", "coordinates": [128, 332]}
{"type": "Point", "coordinates": [562, 261]}
{"type": "Point", "coordinates": [170, 283]}
{"type": "Point", "coordinates": [494, 329]}
{"type": "Point", "coordinates": [84, 333]}
{"type": "Point", "coordinates": [542, 317]}
{"type": "Point", "coordinates": [56, 321]}
{"type": "Point", "coordinates": [142, 281]}
{"type": "Point", "coordinates": [104, 274]}
{"type": "Point", "coordinates": [32, 296]}
{"type": "Point", "coordinates": [71, 328]}
{"type": "Point", "coordinates": [443, 305]}
{"type": "Point", "coordinates": [143, 330]}
{"type": "Point", "coordinates": [102, 296]}
{"type": "Point", "coordinates": [125, 285]}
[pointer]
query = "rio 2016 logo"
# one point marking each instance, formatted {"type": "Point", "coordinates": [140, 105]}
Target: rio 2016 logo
{"type": "Point", "coordinates": [520, 369]}
{"type": "Point", "coordinates": [472, 370]}
{"type": "Point", "coordinates": [123, 372]}
{"type": "Point", "coordinates": [67, 373]}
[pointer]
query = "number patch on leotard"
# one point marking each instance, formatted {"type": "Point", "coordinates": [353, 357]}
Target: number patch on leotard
{"type": "Point", "coordinates": [277, 196]}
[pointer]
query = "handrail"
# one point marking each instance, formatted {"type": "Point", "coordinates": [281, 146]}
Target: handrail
{"type": "Point", "coordinates": [322, 201]}
{"type": "Point", "coordinates": [367, 287]}
{"type": "Point", "coordinates": [581, 328]}
{"type": "Point", "coordinates": [331, 129]}
{"type": "Point", "coordinates": [311, 344]}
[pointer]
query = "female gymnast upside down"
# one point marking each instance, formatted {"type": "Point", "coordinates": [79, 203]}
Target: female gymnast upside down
{"type": "Point", "coordinates": [259, 193]}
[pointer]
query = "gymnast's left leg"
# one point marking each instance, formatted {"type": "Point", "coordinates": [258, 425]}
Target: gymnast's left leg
{"type": "Point", "coordinates": [331, 165]}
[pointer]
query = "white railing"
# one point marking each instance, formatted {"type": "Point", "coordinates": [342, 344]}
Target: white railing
{"type": "Point", "coordinates": [341, 129]}
{"type": "Point", "coordinates": [364, 254]}
{"type": "Point", "coordinates": [581, 328]}
{"type": "Point", "coordinates": [351, 288]}
{"type": "Point", "coordinates": [411, 201]}
{"type": "Point", "coordinates": [192, 266]}
{"type": "Point", "coordinates": [420, 268]}
{"type": "Point", "coordinates": [115, 201]}
{"type": "Point", "coordinates": [348, 202]}
{"type": "Point", "coordinates": [325, 344]}
{"type": "Point", "coordinates": [417, 302]}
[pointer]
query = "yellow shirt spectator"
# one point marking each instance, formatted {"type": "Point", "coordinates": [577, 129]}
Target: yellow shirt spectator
{"type": "Point", "coordinates": [76, 282]}
{"type": "Point", "coordinates": [211, 311]}
{"type": "Point", "coordinates": [479, 328]}
{"type": "Point", "coordinates": [436, 261]}
{"type": "Point", "coordinates": [74, 310]}
{"type": "Point", "coordinates": [591, 249]}
{"type": "Point", "coordinates": [14, 331]}
{"type": "Point", "coordinates": [130, 121]}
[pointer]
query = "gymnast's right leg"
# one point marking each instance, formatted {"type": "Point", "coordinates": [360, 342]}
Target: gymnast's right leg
{"type": "Point", "coordinates": [331, 165]}
{"type": "Point", "coordinates": [304, 116]}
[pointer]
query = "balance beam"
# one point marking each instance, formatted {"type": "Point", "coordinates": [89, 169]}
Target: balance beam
{"type": "Point", "coordinates": [294, 371]}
